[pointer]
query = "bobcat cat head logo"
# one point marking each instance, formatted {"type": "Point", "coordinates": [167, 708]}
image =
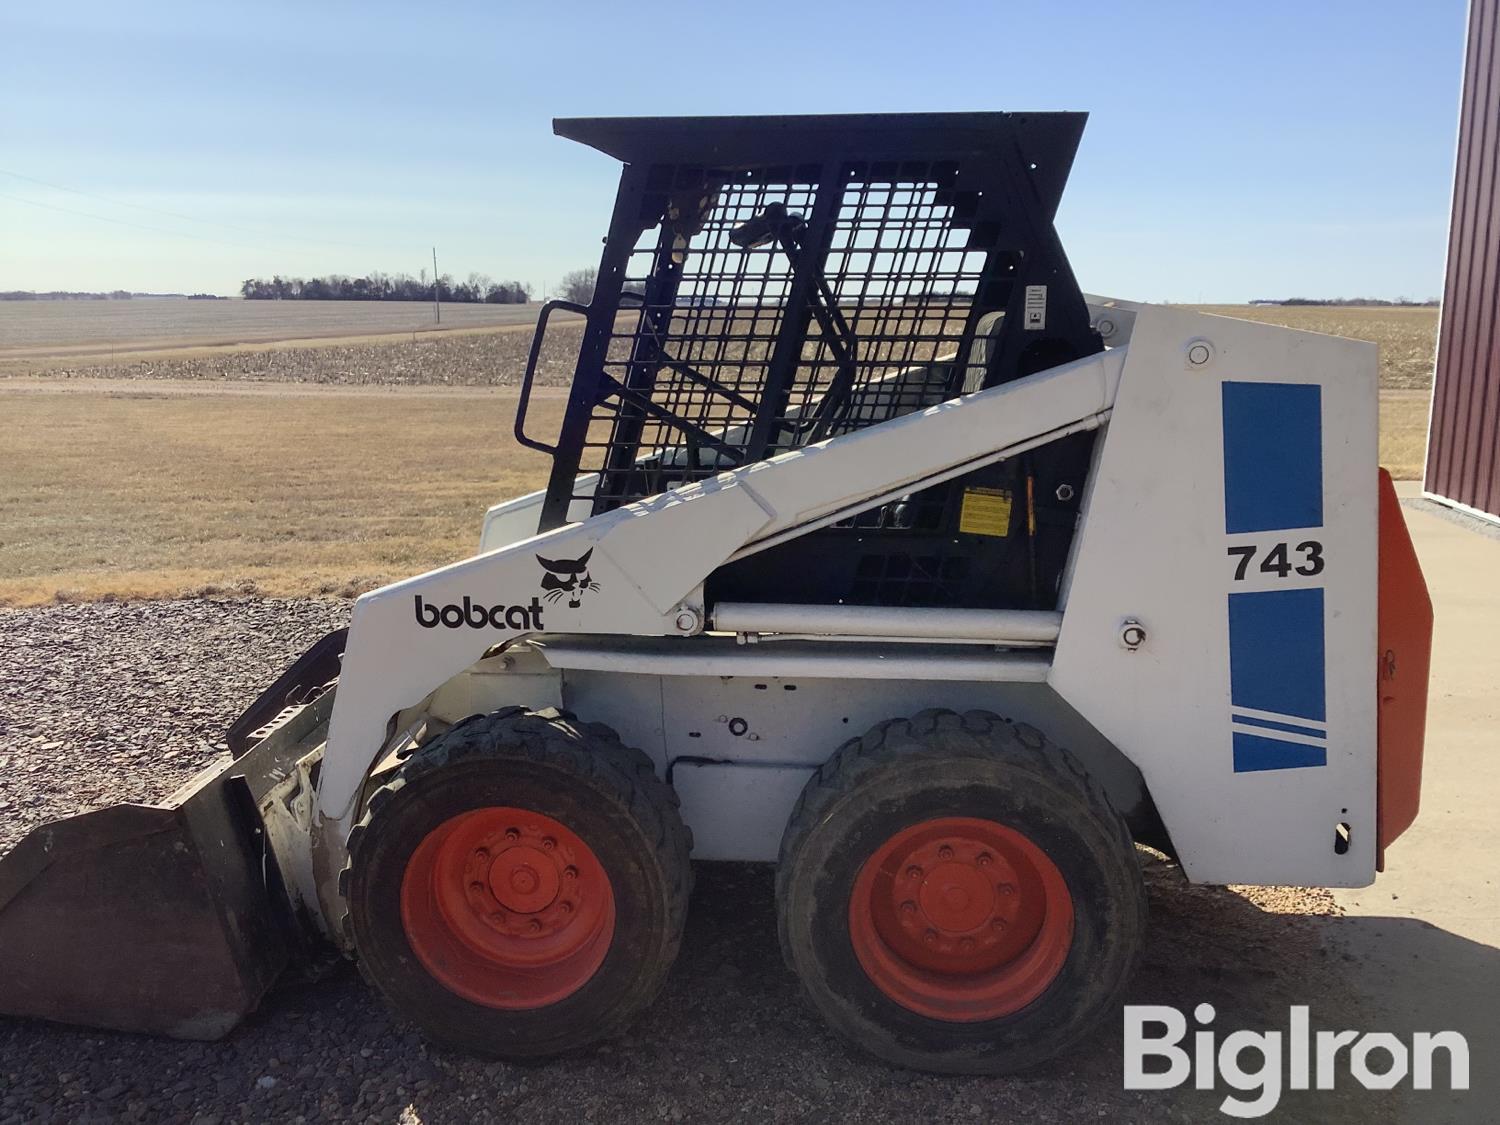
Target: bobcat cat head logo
{"type": "Point", "coordinates": [567, 578]}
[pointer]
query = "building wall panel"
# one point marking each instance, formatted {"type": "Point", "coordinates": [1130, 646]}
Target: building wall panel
{"type": "Point", "coordinates": [1463, 449]}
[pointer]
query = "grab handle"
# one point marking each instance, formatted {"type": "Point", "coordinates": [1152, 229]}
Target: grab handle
{"type": "Point", "coordinates": [536, 350]}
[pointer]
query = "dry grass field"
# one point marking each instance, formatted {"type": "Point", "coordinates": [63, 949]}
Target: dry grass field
{"type": "Point", "coordinates": [1407, 335]}
{"type": "Point", "coordinates": [332, 468]}
{"type": "Point", "coordinates": [1403, 432]}
{"type": "Point", "coordinates": [166, 492]}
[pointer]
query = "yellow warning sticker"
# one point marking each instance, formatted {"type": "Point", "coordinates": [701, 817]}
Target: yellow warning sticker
{"type": "Point", "coordinates": [985, 511]}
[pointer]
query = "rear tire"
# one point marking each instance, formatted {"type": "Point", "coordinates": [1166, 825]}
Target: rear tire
{"type": "Point", "coordinates": [518, 888]}
{"type": "Point", "coordinates": [958, 895]}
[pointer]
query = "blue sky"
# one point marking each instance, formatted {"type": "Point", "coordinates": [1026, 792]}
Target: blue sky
{"type": "Point", "coordinates": [1233, 150]}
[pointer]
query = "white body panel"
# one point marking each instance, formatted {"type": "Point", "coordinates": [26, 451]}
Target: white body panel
{"type": "Point", "coordinates": [1151, 547]}
{"type": "Point", "coordinates": [738, 743]}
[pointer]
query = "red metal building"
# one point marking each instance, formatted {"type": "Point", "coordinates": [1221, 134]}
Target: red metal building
{"type": "Point", "coordinates": [1463, 441]}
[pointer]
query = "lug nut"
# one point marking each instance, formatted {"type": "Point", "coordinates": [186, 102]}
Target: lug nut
{"type": "Point", "coordinates": [534, 926]}
{"type": "Point", "coordinates": [966, 944]}
{"type": "Point", "coordinates": [1007, 889]}
{"type": "Point", "coordinates": [914, 872]}
{"type": "Point", "coordinates": [567, 908]}
{"type": "Point", "coordinates": [570, 873]}
{"type": "Point", "coordinates": [477, 888]}
{"type": "Point", "coordinates": [945, 852]}
{"type": "Point", "coordinates": [929, 938]}
{"type": "Point", "coordinates": [512, 834]}
{"type": "Point", "coordinates": [908, 908]}
{"type": "Point", "coordinates": [998, 924]}
{"type": "Point", "coordinates": [985, 859]}
{"type": "Point", "coordinates": [548, 844]}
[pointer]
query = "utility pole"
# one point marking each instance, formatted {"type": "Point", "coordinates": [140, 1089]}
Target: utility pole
{"type": "Point", "coordinates": [437, 308]}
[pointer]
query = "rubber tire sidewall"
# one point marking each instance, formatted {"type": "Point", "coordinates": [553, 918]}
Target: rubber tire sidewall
{"type": "Point", "coordinates": [640, 954]}
{"type": "Point", "coordinates": [1103, 880]}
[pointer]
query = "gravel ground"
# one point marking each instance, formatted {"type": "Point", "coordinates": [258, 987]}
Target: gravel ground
{"type": "Point", "coordinates": [106, 702]}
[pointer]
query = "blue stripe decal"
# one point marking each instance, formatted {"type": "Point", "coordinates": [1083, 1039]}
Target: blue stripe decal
{"type": "Point", "coordinates": [1277, 664]}
{"type": "Point", "coordinates": [1273, 456]}
{"type": "Point", "coordinates": [1250, 721]}
{"type": "Point", "coordinates": [1252, 753]}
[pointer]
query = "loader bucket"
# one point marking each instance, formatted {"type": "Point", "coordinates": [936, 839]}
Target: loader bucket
{"type": "Point", "coordinates": [168, 919]}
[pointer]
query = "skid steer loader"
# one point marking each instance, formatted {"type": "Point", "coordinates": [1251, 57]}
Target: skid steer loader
{"type": "Point", "coordinates": [871, 549]}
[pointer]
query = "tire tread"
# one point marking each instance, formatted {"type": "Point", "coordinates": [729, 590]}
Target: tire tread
{"type": "Point", "coordinates": [591, 751]}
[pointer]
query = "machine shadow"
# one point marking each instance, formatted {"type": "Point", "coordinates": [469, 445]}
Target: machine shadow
{"type": "Point", "coordinates": [732, 1039]}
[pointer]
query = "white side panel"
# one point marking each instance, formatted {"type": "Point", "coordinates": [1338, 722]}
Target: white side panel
{"type": "Point", "coordinates": [1244, 802]}
{"type": "Point", "coordinates": [737, 812]}
{"type": "Point", "coordinates": [754, 727]}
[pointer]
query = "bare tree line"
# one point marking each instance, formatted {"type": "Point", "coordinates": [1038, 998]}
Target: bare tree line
{"type": "Point", "coordinates": [478, 289]}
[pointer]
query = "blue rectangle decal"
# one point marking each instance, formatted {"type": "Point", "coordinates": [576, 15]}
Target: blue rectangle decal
{"type": "Point", "coordinates": [1252, 752]}
{"type": "Point", "coordinates": [1273, 456]}
{"type": "Point", "coordinates": [1276, 661]}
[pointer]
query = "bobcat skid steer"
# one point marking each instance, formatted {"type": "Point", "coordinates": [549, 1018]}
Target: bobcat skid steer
{"type": "Point", "coordinates": [871, 549]}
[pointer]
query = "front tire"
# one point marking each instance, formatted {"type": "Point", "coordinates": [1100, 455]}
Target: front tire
{"type": "Point", "coordinates": [958, 895]}
{"type": "Point", "coordinates": [519, 888]}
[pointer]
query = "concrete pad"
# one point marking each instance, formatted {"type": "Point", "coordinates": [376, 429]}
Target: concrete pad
{"type": "Point", "coordinates": [1427, 934]}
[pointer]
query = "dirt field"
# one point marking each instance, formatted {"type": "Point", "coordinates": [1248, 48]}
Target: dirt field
{"type": "Point", "coordinates": [42, 329]}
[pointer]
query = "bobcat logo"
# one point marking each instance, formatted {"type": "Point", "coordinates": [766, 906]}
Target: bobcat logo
{"type": "Point", "coordinates": [567, 577]}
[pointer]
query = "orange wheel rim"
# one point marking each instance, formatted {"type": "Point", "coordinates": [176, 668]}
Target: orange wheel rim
{"type": "Point", "coordinates": [961, 919]}
{"type": "Point", "coordinates": [507, 908]}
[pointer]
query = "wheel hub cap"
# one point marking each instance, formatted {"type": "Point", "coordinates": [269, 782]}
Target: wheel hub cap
{"type": "Point", "coordinates": [961, 919]}
{"type": "Point", "coordinates": [524, 880]}
{"type": "Point", "coordinates": [507, 907]}
{"type": "Point", "coordinates": [956, 898]}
